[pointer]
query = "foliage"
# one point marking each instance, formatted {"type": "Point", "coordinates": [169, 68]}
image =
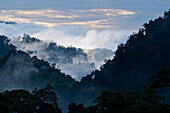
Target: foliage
{"type": "Point", "coordinates": [146, 100]}
{"type": "Point", "coordinates": [163, 79]}
{"type": "Point", "coordinates": [22, 101]}
{"type": "Point", "coordinates": [5, 48]}
{"type": "Point", "coordinates": [74, 108]}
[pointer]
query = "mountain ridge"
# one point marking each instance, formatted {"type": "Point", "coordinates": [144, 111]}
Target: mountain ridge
{"type": "Point", "coordinates": [73, 61]}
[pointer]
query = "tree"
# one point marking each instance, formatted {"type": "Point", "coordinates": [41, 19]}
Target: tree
{"type": "Point", "coordinates": [22, 101]}
{"type": "Point", "coordinates": [146, 100]}
{"type": "Point", "coordinates": [162, 80]}
{"type": "Point", "coordinates": [49, 99]}
{"type": "Point", "coordinates": [74, 108]}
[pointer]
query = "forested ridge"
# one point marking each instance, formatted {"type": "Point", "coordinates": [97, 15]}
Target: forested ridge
{"type": "Point", "coordinates": [76, 62]}
{"type": "Point", "coordinates": [135, 63]}
{"type": "Point", "coordinates": [5, 48]}
{"type": "Point", "coordinates": [134, 72]}
{"type": "Point", "coordinates": [144, 54]}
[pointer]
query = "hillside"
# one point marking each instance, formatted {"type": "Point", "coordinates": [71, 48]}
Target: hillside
{"type": "Point", "coordinates": [20, 70]}
{"type": "Point", "coordinates": [5, 47]}
{"type": "Point", "coordinates": [135, 63]}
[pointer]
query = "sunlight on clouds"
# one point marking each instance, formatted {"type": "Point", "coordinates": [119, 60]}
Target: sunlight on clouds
{"type": "Point", "coordinates": [9, 17]}
{"type": "Point", "coordinates": [123, 12]}
{"type": "Point", "coordinates": [92, 24]}
{"type": "Point", "coordinates": [113, 12]}
{"type": "Point", "coordinates": [39, 13]}
{"type": "Point", "coordinates": [46, 24]}
{"type": "Point", "coordinates": [93, 18]}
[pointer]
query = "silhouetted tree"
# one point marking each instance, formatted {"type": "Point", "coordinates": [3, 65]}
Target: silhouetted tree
{"type": "Point", "coordinates": [22, 101]}
{"type": "Point", "coordinates": [74, 108]}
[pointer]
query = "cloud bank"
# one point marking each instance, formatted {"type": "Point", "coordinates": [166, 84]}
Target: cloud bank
{"type": "Point", "coordinates": [76, 36]}
{"type": "Point", "coordinates": [91, 18]}
{"type": "Point", "coordinates": [87, 40]}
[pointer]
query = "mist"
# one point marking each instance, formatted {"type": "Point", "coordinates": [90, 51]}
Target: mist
{"type": "Point", "coordinates": [89, 47]}
{"type": "Point", "coordinates": [76, 62]}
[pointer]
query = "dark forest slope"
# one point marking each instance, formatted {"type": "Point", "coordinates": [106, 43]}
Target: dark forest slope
{"type": "Point", "coordinates": [135, 63]}
{"type": "Point", "coordinates": [19, 70]}
{"type": "Point", "coordinates": [5, 48]}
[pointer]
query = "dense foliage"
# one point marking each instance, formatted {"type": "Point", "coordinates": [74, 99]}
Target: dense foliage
{"type": "Point", "coordinates": [5, 48]}
{"type": "Point", "coordinates": [146, 100]}
{"type": "Point", "coordinates": [21, 101]}
{"type": "Point", "coordinates": [44, 100]}
{"type": "Point", "coordinates": [19, 70]}
{"type": "Point", "coordinates": [31, 71]}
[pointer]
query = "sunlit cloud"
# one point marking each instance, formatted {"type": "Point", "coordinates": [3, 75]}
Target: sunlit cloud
{"type": "Point", "coordinates": [10, 17]}
{"type": "Point", "coordinates": [92, 18]}
{"type": "Point", "coordinates": [113, 12]}
{"type": "Point", "coordinates": [47, 24]}
{"type": "Point", "coordinates": [93, 24]}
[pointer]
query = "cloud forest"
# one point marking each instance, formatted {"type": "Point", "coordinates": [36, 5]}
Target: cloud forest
{"type": "Point", "coordinates": [84, 60]}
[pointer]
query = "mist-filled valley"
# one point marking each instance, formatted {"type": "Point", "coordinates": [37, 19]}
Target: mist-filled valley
{"type": "Point", "coordinates": [76, 69]}
{"type": "Point", "coordinates": [73, 61]}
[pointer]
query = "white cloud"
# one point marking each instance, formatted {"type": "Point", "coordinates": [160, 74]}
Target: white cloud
{"type": "Point", "coordinates": [92, 18]}
{"type": "Point", "coordinates": [88, 40]}
{"type": "Point", "coordinates": [76, 36]}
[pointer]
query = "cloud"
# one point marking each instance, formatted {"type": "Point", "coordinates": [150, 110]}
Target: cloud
{"type": "Point", "coordinates": [121, 14]}
{"type": "Point", "coordinates": [92, 24]}
{"type": "Point", "coordinates": [112, 12]}
{"type": "Point", "coordinates": [88, 40]}
{"type": "Point", "coordinates": [75, 62]}
{"type": "Point", "coordinates": [77, 36]}
{"type": "Point", "coordinates": [91, 18]}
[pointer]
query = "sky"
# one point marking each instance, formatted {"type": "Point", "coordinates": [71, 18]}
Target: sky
{"type": "Point", "coordinates": [80, 23]}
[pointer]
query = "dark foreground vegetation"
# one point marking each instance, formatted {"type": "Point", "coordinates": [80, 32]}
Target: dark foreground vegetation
{"type": "Point", "coordinates": [44, 100]}
{"type": "Point", "coordinates": [146, 100]}
{"type": "Point", "coordinates": [21, 101]}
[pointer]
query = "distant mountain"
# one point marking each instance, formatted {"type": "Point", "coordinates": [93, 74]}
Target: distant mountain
{"type": "Point", "coordinates": [20, 70]}
{"type": "Point", "coordinates": [6, 22]}
{"type": "Point", "coordinates": [73, 61]}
